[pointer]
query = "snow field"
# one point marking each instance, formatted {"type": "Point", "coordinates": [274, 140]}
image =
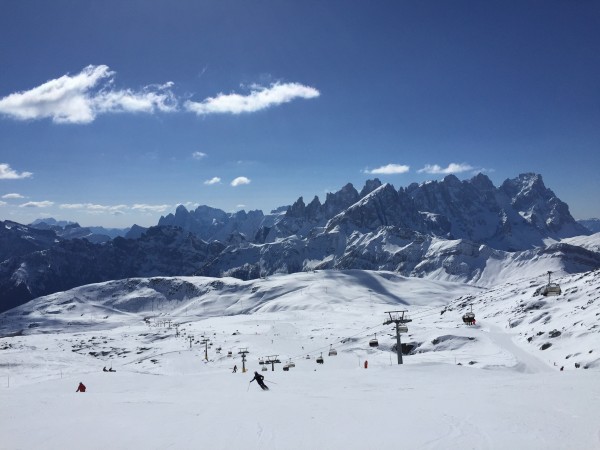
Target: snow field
{"type": "Point", "coordinates": [165, 395]}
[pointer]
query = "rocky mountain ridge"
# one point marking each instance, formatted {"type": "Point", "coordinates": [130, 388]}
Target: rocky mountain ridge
{"type": "Point", "coordinates": [449, 229]}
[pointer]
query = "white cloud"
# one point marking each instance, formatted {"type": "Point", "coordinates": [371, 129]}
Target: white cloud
{"type": "Point", "coordinates": [150, 208]}
{"type": "Point", "coordinates": [6, 173]}
{"type": "Point", "coordinates": [80, 98]}
{"type": "Point", "coordinates": [44, 204]}
{"type": "Point", "coordinates": [452, 168]}
{"type": "Point", "coordinates": [198, 155]}
{"type": "Point", "coordinates": [12, 195]}
{"type": "Point", "coordinates": [240, 206]}
{"type": "Point", "coordinates": [259, 98]}
{"type": "Point", "coordinates": [239, 181]}
{"type": "Point", "coordinates": [389, 169]}
{"type": "Point", "coordinates": [92, 207]}
{"type": "Point", "coordinates": [3, 203]}
{"type": "Point", "coordinates": [213, 180]}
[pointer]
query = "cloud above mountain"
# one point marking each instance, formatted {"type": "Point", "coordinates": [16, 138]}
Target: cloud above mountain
{"type": "Point", "coordinates": [7, 173]}
{"type": "Point", "coordinates": [239, 181]}
{"type": "Point", "coordinates": [80, 98]}
{"type": "Point", "coordinates": [43, 204]}
{"type": "Point", "coordinates": [259, 98]}
{"type": "Point", "coordinates": [389, 169]}
{"type": "Point", "coordinates": [435, 169]}
{"type": "Point", "coordinates": [213, 180]}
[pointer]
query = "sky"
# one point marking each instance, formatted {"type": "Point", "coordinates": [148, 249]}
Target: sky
{"type": "Point", "coordinates": [113, 113]}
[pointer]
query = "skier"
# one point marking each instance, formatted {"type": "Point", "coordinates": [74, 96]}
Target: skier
{"type": "Point", "coordinates": [81, 387]}
{"type": "Point", "coordinates": [259, 379]}
{"type": "Point", "coordinates": [104, 369]}
{"type": "Point", "coordinates": [234, 369]}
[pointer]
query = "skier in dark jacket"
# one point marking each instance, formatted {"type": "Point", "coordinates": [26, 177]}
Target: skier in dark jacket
{"type": "Point", "coordinates": [81, 387]}
{"type": "Point", "coordinates": [259, 379]}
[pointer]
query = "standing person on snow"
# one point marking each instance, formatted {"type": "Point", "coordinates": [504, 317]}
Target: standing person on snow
{"type": "Point", "coordinates": [259, 379]}
{"type": "Point", "coordinates": [235, 368]}
{"type": "Point", "coordinates": [81, 387]}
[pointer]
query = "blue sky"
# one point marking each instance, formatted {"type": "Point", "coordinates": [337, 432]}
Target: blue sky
{"type": "Point", "coordinates": [113, 113]}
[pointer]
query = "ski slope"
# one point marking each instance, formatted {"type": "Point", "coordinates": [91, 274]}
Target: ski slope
{"type": "Point", "coordinates": [484, 386]}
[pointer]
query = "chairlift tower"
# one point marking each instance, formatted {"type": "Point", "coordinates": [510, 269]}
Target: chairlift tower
{"type": "Point", "coordinates": [272, 360]}
{"type": "Point", "coordinates": [191, 338]}
{"type": "Point", "coordinates": [205, 342]}
{"type": "Point", "coordinates": [243, 352]}
{"type": "Point", "coordinates": [398, 318]}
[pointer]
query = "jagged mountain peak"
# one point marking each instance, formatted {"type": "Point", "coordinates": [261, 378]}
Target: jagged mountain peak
{"type": "Point", "coordinates": [370, 186]}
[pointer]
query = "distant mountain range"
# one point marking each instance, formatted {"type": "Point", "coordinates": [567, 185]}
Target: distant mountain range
{"type": "Point", "coordinates": [448, 229]}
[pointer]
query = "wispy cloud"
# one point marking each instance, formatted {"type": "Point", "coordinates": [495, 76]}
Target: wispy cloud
{"type": "Point", "coordinates": [44, 204]}
{"type": "Point", "coordinates": [198, 155]}
{"type": "Point", "coordinates": [259, 98]}
{"type": "Point", "coordinates": [240, 181]}
{"type": "Point", "coordinates": [93, 207]}
{"type": "Point", "coordinates": [7, 173]}
{"type": "Point", "coordinates": [452, 168]}
{"type": "Point", "coordinates": [389, 169]}
{"type": "Point", "coordinates": [12, 195]}
{"type": "Point", "coordinates": [80, 98]}
{"type": "Point", "coordinates": [3, 203]}
{"type": "Point", "coordinates": [190, 205]}
{"type": "Point", "coordinates": [150, 208]}
{"type": "Point", "coordinates": [213, 180]}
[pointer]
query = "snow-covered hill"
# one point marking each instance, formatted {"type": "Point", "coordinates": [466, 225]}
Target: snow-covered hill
{"type": "Point", "coordinates": [165, 393]}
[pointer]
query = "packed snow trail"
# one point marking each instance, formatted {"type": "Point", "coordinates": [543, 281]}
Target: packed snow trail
{"type": "Point", "coordinates": [526, 362]}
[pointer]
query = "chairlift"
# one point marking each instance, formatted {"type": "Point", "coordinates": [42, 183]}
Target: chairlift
{"type": "Point", "coordinates": [469, 317]}
{"type": "Point", "coordinates": [374, 342]}
{"type": "Point", "coordinates": [551, 288]}
{"type": "Point", "coordinates": [286, 368]}
{"type": "Point", "coordinates": [229, 354]}
{"type": "Point", "coordinates": [307, 356]}
{"type": "Point", "coordinates": [320, 359]}
{"type": "Point", "coordinates": [290, 363]}
{"type": "Point", "coordinates": [264, 368]}
{"type": "Point", "coordinates": [332, 351]}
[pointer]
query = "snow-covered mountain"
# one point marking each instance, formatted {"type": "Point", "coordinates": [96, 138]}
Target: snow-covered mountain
{"type": "Point", "coordinates": [521, 214]}
{"type": "Point", "coordinates": [74, 262]}
{"type": "Point", "coordinates": [446, 230]}
{"type": "Point", "coordinates": [72, 230]}
{"type": "Point", "coordinates": [591, 224]}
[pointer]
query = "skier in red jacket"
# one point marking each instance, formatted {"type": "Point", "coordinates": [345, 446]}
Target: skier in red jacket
{"type": "Point", "coordinates": [81, 387]}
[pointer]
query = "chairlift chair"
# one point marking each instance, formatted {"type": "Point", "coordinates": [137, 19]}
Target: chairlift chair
{"type": "Point", "coordinates": [469, 317]}
{"type": "Point", "coordinates": [264, 368]}
{"type": "Point", "coordinates": [332, 351]}
{"type": "Point", "coordinates": [551, 288]}
{"type": "Point", "coordinates": [320, 359]}
{"type": "Point", "coordinates": [229, 354]}
{"type": "Point", "coordinates": [374, 342]}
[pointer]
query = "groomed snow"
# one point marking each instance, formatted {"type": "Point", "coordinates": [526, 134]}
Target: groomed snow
{"type": "Point", "coordinates": [481, 387]}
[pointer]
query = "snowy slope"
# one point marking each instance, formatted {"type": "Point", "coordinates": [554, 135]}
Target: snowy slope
{"type": "Point", "coordinates": [165, 395]}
